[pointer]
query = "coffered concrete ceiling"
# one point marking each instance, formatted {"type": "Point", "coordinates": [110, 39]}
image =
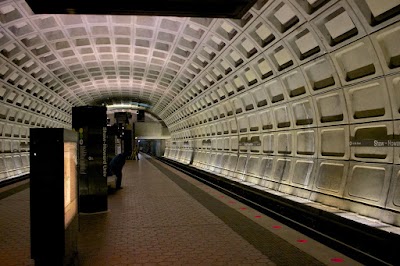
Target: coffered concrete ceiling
{"type": "Point", "coordinates": [87, 59]}
{"type": "Point", "coordinates": [167, 62]}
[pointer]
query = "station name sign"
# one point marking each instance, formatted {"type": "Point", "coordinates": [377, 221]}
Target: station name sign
{"type": "Point", "coordinates": [375, 143]}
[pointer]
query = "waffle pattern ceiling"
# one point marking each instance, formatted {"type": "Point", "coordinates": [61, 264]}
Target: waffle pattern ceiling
{"type": "Point", "coordinates": [87, 58]}
{"type": "Point", "coordinates": [162, 61]}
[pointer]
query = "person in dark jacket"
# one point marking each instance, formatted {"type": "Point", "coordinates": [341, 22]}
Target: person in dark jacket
{"type": "Point", "coordinates": [116, 165]}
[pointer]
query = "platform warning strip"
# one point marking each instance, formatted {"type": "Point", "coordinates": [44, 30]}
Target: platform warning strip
{"type": "Point", "coordinates": [269, 244]}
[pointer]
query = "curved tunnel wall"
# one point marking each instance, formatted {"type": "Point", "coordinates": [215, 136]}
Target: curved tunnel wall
{"type": "Point", "coordinates": [272, 99]}
{"type": "Point", "coordinates": [279, 107]}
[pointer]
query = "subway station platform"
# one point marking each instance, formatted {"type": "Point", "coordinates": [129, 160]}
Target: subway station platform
{"type": "Point", "coordinates": [164, 217]}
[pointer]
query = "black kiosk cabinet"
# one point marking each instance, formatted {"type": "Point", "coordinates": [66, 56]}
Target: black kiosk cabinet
{"type": "Point", "coordinates": [91, 123]}
{"type": "Point", "coordinates": [53, 196]}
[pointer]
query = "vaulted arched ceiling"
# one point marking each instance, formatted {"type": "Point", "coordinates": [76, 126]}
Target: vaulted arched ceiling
{"type": "Point", "coordinates": [168, 62]}
{"type": "Point", "coordinates": [87, 58]}
{"type": "Point", "coordinates": [292, 83]}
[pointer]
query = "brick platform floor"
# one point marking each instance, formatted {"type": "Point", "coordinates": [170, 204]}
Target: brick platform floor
{"type": "Point", "coordinates": [163, 217]}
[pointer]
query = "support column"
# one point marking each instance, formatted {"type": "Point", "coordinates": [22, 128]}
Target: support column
{"type": "Point", "coordinates": [91, 124]}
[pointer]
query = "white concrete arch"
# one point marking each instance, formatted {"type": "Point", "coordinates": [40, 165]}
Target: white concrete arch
{"type": "Point", "coordinates": [273, 99]}
{"type": "Point", "coordinates": [278, 109]}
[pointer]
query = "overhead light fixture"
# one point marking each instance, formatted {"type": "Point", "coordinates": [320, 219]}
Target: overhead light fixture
{"type": "Point", "coordinates": [133, 105]}
{"type": "Point", "coordinates": [122, 106]}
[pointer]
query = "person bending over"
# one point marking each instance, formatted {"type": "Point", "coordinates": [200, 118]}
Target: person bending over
{"type": "Point", "coordinates": [116, 165]}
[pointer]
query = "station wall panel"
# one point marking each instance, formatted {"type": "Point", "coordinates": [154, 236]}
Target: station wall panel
{"type": "Point", "coordinates": [375, 131]}
{"type": "Point", "coordinates": [274, 98]}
